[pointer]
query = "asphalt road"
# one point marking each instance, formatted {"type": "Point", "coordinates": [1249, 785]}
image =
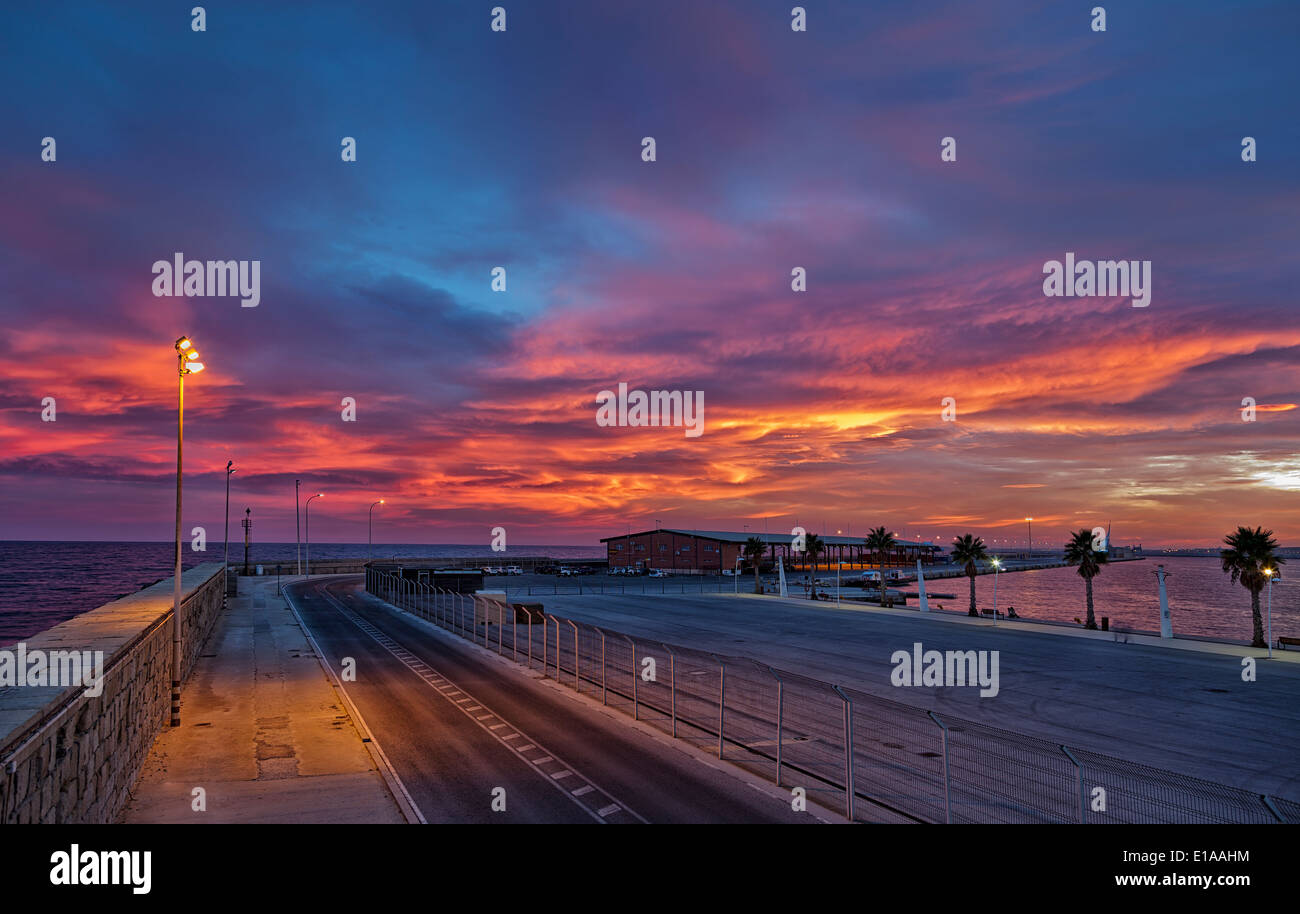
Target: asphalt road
{"type": "Point", "coordinates": [458, 727]}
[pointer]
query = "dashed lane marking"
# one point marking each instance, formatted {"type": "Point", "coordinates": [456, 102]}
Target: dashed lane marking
{"type": "Point", "coordinates": [437, 681]}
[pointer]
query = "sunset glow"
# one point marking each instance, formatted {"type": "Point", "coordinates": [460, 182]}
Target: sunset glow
{"type": "Point", "coordinates": [476, 408]}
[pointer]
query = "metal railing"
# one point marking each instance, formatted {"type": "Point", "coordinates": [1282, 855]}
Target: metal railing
{"type": "Point", "coordinates": [683, 585]}
{"type": "Point", "coordinates": [874, 758]}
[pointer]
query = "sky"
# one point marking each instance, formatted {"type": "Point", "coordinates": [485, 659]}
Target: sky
{"type": "Point", "coordinates": [775, 149]}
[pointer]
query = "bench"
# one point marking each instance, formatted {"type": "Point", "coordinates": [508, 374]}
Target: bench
{"type": "Point", "coordinates": [1284, 643]}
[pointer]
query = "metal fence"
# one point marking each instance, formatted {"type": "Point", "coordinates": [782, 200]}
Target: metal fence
{"type": "Point", "coordinates": [874, 758]}
{"type": "Point", "coordinates": [686, 584]}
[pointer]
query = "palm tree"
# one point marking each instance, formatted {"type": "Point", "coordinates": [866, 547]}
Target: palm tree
{"type": "Point", "coordinates": [1079, 551]}
{"type": "Point", "coordinates": [813, 547]}
{"type": "Point", "coordinates": [1249, 552]}
{"type": "Point", "coordinates": [968, 550]}
{"type": "Point", "coordinates": [881, 542]}
{"type": "Point", "coordinates": [754, 548]}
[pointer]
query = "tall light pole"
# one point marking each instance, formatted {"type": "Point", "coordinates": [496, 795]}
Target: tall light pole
{"type": "Point", "coordinates": [226, 555]}
{"type": "Point", "coordinates": [306, 514]}
{"type": "Point", "coordinates": [1030, 522]}
{"type": "Point", "coordinates": [297, 528]}
{"type": "Point", "coordinates": [997, 566]}
{"type": "Point", "coordinates": [1268, 573]}
{"type": "Point", "coordinates": [186, 363]}
{"type": "Point", "coordinates": [370, 536]}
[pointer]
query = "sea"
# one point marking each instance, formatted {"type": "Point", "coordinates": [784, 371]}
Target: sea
{"type": "Point", "coordinates": [45, 583]}
{"type": "Point", "coordinates": [1202, 599]}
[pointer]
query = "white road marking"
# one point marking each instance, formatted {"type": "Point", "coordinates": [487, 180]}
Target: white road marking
{"type": "Point", "coordinates": [389, 644]}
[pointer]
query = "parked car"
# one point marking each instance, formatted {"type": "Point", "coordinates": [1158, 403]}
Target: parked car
{"type": "Point", "coordinates": [659, 573]}
{"type": "Point", "coordinates": [566, 571]}
{"type": "Point", "coordinates": [514, 569]}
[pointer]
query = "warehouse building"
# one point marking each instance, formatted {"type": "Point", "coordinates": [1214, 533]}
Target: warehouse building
{"type": "Point", "coordinates": [712, 551]}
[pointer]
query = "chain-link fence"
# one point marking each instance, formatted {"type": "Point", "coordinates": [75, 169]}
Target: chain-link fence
{"type": "Point", "coordinates": [873, 758]}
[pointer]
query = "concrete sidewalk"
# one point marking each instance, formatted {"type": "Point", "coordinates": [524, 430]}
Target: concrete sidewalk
{"type": "Point", "coordinates": [263, 732]}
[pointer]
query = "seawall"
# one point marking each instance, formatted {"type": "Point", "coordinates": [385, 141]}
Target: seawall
{"type": "Point", "coordinates": [71, 757]}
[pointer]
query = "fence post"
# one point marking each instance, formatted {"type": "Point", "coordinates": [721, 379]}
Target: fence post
{"type": "Point", "coordinates": [543, 644]}
{"type": "Point", "coordinates": [1078, 770]}
{"type": "Point", "coordinates": [530, 637]}
{"type": "Point", "coordinates": [603, 700]}
{"type": "Point", "coordinates": [514, 633]}
{"type": "Point", "coordinates": [501, 622]}
{"type": "Point", "coordinates": [634, 703]}
{"type": "Point", "coordinates": [672, 684]}
{"type": "Point", "coordinates": [577, 684]}
{"type": "Point", "coordinates": [722, 698]}
{"type": "Point", "coordinates": [850, 788]}
{"type": "Point", "coordinates": [780, 710]}
{"type": "Point", "coordinates": [947, 778]}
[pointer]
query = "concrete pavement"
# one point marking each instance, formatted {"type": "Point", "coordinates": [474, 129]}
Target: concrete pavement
{"type": "Point", "coordinates": [264, 732]}
{"type": "Point", "coordinates": [1185, 707]}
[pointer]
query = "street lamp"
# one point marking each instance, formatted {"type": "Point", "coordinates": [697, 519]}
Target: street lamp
{"type": "Point", "coordinates": [1030, 521]}
{"type": "Point", "coordinates": [997, 566]}
{"type": "Point", "coordinates": [1268, 573]}
{"type": "Point", "coordinates": [226, 555]}
{"type": "Point", "coordinates": [306, 516]}
{"type": "Point", "coordinates": [186, 363]}
{"type": "Point", "coordinates": [297, 528]}
{"type": "Point", "coordinates": [370, 536]}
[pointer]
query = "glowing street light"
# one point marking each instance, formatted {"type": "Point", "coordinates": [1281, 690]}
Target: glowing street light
{"type": "Point", "coordinates": [1268, 573]}
{"type": "Point", "coordinates": [997, 566]}
{"type": "Point", "coordinates": [371, 535]}
{"type": "Point", "coordinates": [230, 471]}
{"type": "Point", "coordinates": [306, 527]}
{"type": "Point", "coordinates": [1030, 522]}
{"type": "Point", "coordinates": [186, 363]}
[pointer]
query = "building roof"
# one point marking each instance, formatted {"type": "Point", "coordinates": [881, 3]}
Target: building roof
{"type": "Point", "coordinates": [770, 539]}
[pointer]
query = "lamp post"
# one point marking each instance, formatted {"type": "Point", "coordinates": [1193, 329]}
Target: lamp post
{"type": "Point", "coordinates": [1268, 573]}
{"type": "Point", "coordinates": [306, 516]}
{"type": "Point", "coordinates": [226, 555]}
{"type": "Point", "coordinates": [1030, 522]}
{"type": "Point", "coordinates": [370, 536]}
{"type": "Point", "coordinates": [186, 363]}
{"type": "Point", "coordinates": [997, 566]}
{"type": "Point", "coordinates": [297, 528]}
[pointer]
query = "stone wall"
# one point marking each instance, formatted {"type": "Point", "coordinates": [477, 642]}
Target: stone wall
{"type": "Point", "coordinates": [70, 757]}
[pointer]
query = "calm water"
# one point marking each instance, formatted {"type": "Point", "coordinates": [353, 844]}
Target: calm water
{"type": "Point", "coordinates": [43, 584]}
{"type": "Point", "coordinates": [1202, 601]}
